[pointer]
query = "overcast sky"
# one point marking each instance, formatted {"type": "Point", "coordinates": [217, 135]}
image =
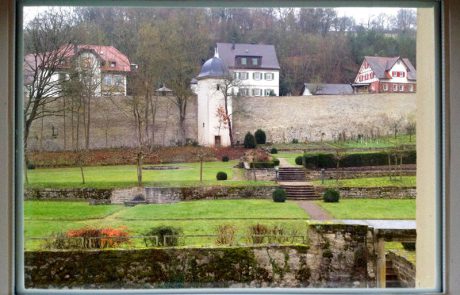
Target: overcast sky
{"type": "Point", "coordinates": [361, 15]}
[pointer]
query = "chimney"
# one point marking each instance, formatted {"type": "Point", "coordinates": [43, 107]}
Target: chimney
{"type": "Point", "coordinates": [233, 43]}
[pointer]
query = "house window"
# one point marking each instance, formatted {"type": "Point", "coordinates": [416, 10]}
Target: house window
{"type": "Point", "coordinates": [401, 87]}
{"type": "Point", "coordinates": [218, 86]}
{"type": "Point", "coordinates": [395, 87]}
{"type": "Point", "coordinates": [255, 61]}
{"type": "Point", "coordinates": [269, 76]}
{"type": "Point", "coordinates": [385, 87]}
{"type": "Point", "coordinates": [117, 80]}
{"type": "Point", "coordinates": [113, 64]}
{"type": "Point", "coordinates": [411, 87]}
{"type": "Point", "coordinates": [256, 92]}
{"type": "Point", "coordinates": [107, 80]}
{"type": "Point", "coordinates": [244, 61]}
{"type": "Point", "coordinates": [243, 76]}
{"type": "Point", "coordinates": [257, 76]}
{"type": "Point", "coordinates": [243, 92]}
{"type": "Point", "coordinates": [268, 92]}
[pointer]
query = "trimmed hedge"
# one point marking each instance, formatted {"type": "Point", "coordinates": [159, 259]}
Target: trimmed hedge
{"type": "Point", "coordinates": [272, 164]}
{"type": "Point", "coordinates": [225, 159]}
{"type": "Point", "coordinates": [273, 151]}
{"type": "Point", "coordinates": [355, 160]}
{"type": "Point", "coordinates": [249, 141]}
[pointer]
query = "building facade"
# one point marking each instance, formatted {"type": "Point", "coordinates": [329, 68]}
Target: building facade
{"type": "Point", "coordinates": [103, 69]}
{"type": "Point", "coordinates": [385, 74]}
{"type": "Point", "coordinates": [254, 68]}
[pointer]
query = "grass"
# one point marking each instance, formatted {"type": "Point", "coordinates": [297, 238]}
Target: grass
{"type": "Point", "coordinates": [371, 209]}
{"type": "Point", "coordinates": [398, 248]}
{"type": "Point", "coordinates": [404, 181]}
{"type": "Point", "coordinates": [382, 142]}
{"type": "Point", "coordinates": [126, 176]}
{"type": "Point", "coordinates": [42, 218]}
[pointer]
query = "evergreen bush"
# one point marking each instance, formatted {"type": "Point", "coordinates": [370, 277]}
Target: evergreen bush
{"type": "Point", "coordinates": [273, 151]}
{"type": "Point", "coordinates": [221, 175]}
{"type": "Point", "coordinates": [298, 160]}
{"type": "Point", "coordinates": [249, 141]}
{"type": "Point", "coordinates": [279, 195]}
{"type": "Point", "coordinates": [225, 159]}
{"type": "Point", "coordinates": [261, 137]}
{"type": "Point", "coordinates": [163, 235]}
{"type": "Point", "coordinates": [331, 196]}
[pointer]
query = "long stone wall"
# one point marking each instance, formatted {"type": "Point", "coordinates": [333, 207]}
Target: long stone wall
{"type": "Point", "coordinates": [385, 192]}
{"type": "Point", "coordinates": [309, 118]}
{"type": "Point", "coordinates": [336, 257]}
{"type": "Point", "coordinates": [314, 118]}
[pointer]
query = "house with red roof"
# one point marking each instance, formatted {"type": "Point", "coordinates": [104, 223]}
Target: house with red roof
{"type": "Point", "coordinates": [109, 67]}
{"type": "Point", "coordinates": [385, 74]}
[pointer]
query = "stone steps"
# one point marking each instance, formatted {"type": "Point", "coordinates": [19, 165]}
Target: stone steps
{"type": "Point", "coordinates": [391, 278]}
{"type": "Point", "coordinates": [291, 174]}
{"type": "Point", "coordinates": [300, 192]}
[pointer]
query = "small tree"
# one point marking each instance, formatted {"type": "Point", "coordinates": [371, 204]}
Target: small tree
{"type": "Point", "coordinates": [410, 129]}
{"type": "Point", "coordinates": [249, 141]}
{"type": "Point", "coordinates": [261, 137]}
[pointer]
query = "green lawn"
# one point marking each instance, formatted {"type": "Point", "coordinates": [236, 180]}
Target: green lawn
{"type": "Point", "coordinates": [126, 176]}
{"type": "Point", "coordinates": [382, 142]}
{"type": "Point", "coordinates": [398, 248]}
{"type": "Point", "coordinates": [371, 209]}
{"type": "Point", "coordinates": [290, 157]}
{"type": "Point", "coordinates": [405, 181]}
{"type": "Point", "coordinates": [42, 218]}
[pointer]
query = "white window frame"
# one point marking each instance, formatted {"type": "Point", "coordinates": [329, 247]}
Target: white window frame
{"type": "Point", "coordinates": [255, 61]}
{"type": "Point", "coordinates": [271, 75]}
{"type": "Point", "coordinates": [244, 61]}
{"type": "Point", "coordinates": [395, 87]}
{"type": "Point", "coordinates": [256, 92]}
{"type": "Point", "coordinates": [401, 87]}
{"type": "Point", "coordinates": [385, 87]}
{"type": "Point", "coordinates": [257, 76]}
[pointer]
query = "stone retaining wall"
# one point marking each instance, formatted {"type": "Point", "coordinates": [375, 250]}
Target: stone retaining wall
{"type": "Point", "coordinates": [386, 192]}
{"type": "Point", "coordinates": [332, 173]}
{"type": "Point", "coordinates": [404, 269]}
{"type": "Point", "coordinates": [337, 257]}
{"type": "Point", "coordinates": [67, 194]}
{"type": "Point", "coordinates": [160, 195]}
{"type": "Point", "coordinates": [260, 174]}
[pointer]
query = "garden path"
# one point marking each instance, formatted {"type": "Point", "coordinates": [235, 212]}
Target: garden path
{"type": "Point", "coordinates": [284, 163]}
{"type": "Point", "coordinates": [314, 211]}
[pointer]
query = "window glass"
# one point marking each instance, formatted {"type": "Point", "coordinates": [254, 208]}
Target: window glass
{"type": "Point", "coordinates": [204, 190]}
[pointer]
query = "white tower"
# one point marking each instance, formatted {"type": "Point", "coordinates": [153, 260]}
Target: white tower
{"type": "Point", "coordinates": [212, 127]}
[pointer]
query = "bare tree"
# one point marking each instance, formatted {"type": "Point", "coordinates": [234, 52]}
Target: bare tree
{"type": "Point", "coordinates": [48, 44]}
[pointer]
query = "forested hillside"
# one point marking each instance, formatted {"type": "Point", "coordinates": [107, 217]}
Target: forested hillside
{"type": "Point", "coordinates": [313, 45]}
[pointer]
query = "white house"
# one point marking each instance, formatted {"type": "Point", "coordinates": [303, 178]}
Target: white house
{"type": "Point", "coordinates": [385, 74]}
{"type": "Point", "coordinates": [255, 67]}
{"type": "Point", "coordinates": [107, 66]}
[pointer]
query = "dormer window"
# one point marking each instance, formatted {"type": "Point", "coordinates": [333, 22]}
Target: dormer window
{"type": "Point", "coordinates": [248, 61]}
{"type": "Point", "coordinates": [255, 61]}
{"type": "Point", "coordinates": [244, 61]}
{"type": "Point", "coordinates": [113, 64]}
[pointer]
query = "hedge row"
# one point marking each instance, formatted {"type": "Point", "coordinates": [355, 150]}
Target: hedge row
{"type": "Point", "coordinates": [356, 159]}
{"type": "Point", "coordinates": [267, 164]}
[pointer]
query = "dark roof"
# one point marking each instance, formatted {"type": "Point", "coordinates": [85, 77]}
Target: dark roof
{"type": "Point", "coordinates": [228, 53]}
{"type": "Point", "coordinates": [328, 89]}
{"type": "Point", "coordinates": [213, 68]}
{"type": "Point", "coordinates": [381, 65]}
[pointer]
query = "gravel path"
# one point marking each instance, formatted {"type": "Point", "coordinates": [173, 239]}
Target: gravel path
{"type": "Point", "coordinates": [314, 211]}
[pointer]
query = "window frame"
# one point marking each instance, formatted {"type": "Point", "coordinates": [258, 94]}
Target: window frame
{"type": "Point", "coordinates": [452, 97]}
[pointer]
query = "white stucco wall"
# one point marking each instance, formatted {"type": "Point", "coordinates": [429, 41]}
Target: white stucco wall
{"type": "Point", "coordinates": [209, 125]}
{"type": "Point", "coordinates": [263, 84]}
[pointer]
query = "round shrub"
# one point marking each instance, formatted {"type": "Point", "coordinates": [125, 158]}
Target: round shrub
{"type": "Point", "coordinates": [273, 151]}
{"type": "Point", "coordinates": [331, 196]}
{"type": "Point", "coordinates": [279, 195]}
{"type": "Point", "coordinates": [30, 166]}
{"type": "Point", "coordinates": [249, 141]}
{"type": "Point", "coordinates": [295, 140]}
{"type": "Point", "coordinates": [276, 162]}
{"type": "Point", "coordinates": [261, 137]}
{"type": "Point", "coordinates": [225, 159]}
{"type": "Point", "coordinates": [298, 160]}
{"type": "Point", "coordinates": [221, 175]}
